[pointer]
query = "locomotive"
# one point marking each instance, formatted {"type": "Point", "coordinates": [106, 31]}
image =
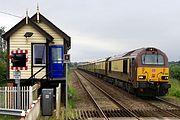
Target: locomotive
{"type": "Point", "coordinates": [143, 71]}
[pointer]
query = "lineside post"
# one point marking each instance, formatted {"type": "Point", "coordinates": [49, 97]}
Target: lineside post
{"type": "Point", "coordinates": [17, 77]}
{"type": "Point", "coordinates": [66, 60]}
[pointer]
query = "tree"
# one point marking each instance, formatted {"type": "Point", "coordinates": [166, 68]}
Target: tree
{"type": "Point", "coordinates": [3, 57]}
{"type": "Point", "coordinates": [3, 44]}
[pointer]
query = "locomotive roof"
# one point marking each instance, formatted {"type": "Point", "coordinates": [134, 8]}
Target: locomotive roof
{"type": "Point", "coordinates": [131, 54]}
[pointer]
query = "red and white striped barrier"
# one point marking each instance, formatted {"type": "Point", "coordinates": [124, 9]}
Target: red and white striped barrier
{"type": "Point", "coordinates": [30, 109]}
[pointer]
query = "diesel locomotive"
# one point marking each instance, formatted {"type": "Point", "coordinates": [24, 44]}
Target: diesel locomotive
{"type": "Point", "coordinates": [143, 71]}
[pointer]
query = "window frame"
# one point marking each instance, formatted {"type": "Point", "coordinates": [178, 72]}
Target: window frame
{"type": "Point", "coordinates": [61, 57]}
{"type": "Point", "coordinates": [33, 56]}
{"type": "Point", "coordinates": [143, 63]}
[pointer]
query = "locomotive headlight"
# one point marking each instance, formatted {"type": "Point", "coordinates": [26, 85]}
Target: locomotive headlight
{"type": "Point", "coordinates": [142, 77]}
{"type": "Point", "coordinates": [164, 77]}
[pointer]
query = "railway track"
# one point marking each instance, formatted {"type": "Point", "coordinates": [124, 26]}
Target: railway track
{"type": "Point", "coordinates": [167, 102]}
{"type": "Point", "coordinates": [122, 111]}
{"type": "Point", "coordinates": [141, 113]}
{"type": "Point", "coordinates": [166, 106]}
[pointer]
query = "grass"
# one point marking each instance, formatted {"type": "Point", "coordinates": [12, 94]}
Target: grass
{"type": "Point", "coordinates": [8, 117]}
{"type": "Point", "coordinates": [174, 91]}
{"type": "Point", "coordinates": [175, 88]}
{"type": "Point", "coordinates": [72, 97]}
{"type": "Point", "coordinates": [71, 92]}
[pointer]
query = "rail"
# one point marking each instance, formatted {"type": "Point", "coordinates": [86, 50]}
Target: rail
{"type": "Point", "coordinates": [165, 111]}
{"type": "Point", "coordinates": [114, 100]}
{"type": "Point", "coordinates": [167, 102]}
{"type": "Point", "coordinates": [101, 111]}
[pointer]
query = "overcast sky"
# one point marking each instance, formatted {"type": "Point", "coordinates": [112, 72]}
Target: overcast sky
{"type": "Point", "coordinates": [102, 28]}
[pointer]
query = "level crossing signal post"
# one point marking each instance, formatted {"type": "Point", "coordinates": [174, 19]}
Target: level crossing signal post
{"type": "Point", "coordinates": [18, 59]}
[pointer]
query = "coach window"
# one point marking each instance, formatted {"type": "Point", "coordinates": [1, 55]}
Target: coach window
{"type": "Point", "coordinates": [125, 65]}
{"type": "Point", "coordinates": [109, 66]}
{"type": "Point", "coordinates": [39, 54]}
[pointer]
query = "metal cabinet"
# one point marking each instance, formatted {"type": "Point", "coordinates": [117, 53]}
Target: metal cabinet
{"type": "Point", "coordinates": [47, 102]}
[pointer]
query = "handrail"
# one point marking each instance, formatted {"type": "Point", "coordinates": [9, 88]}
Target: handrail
{"type": "Point", "coordinates": [40, 71]}
{"type": "Point", "coordinates": [37, 72]}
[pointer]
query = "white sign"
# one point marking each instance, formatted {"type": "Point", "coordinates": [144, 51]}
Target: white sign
{"type": "Point", "coordinates": [17, 75]}
{"type": "Point", "coordinates": [66, 58]}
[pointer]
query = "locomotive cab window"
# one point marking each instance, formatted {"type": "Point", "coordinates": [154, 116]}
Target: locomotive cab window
{"type": "Point", "coordinates": [39, 54]}
{"type": "Point", "coordinates": [152, 59]}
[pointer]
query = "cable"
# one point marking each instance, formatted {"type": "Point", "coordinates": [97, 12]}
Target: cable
{"type": "Point", "coordinates": [10, 14]}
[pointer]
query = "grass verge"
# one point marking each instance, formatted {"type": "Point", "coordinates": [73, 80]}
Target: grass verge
{"type": "Point", "coordinates": [71, 92]}
{"type": "Point", "coordinates": [8, 117]}
{"type": "Point", "coordinates": [174, 91]}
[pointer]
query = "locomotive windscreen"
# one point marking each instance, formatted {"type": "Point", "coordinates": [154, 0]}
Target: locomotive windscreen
{"type": "Point", "coordinates": [19, 60]}
{"type": "Point", "coordinates": [152, 59]}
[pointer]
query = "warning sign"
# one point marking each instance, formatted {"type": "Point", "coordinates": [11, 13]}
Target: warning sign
{"type": "Point", "coordinates": [17, 75]}
{"type": "Point", "coordinates": [66, 58]}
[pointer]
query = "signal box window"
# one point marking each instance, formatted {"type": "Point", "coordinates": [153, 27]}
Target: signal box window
{"type": "Point", "coordinates": [57, 55]}
{"type": "Point", "coordinates": [39, 54]}
{"type": "Point", "coordinates": [19, 60]}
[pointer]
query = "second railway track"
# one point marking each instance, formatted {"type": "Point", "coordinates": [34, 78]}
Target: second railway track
{"type": "Point", "coordinates": [119, 111]}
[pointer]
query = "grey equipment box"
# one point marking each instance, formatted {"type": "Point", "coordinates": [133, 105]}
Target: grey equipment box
{"type": "Point", "coordinates": [47, 102]}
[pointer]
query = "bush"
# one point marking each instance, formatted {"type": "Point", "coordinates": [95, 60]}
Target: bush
{"type": "Point", "coordinates": [3, 58]}
{"type": "Point", "coordinates": [175, 71]}
{"type": "Point", "coordinates": [175, 89]}
{"type": "Point", "coordinates": [2, 73]}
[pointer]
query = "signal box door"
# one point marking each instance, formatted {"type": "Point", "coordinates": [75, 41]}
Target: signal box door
{"type": "Point", "coordinates": [56, 67]}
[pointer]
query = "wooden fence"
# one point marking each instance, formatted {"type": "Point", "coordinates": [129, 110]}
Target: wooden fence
{"type": "Point", "coordinates": [8, 97]}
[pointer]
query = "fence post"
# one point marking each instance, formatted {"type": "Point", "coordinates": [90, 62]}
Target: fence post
{"type": "Point", "coordinates": [15, 91]}
{"type": "Point", "coordinates": [5, 97]}
{"type": "Point", "coordinates": [58, 101]}
{"type": "Point", "coordinates": [30, 96]}
{"type": "Point", "coordinates": [18, 94]}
